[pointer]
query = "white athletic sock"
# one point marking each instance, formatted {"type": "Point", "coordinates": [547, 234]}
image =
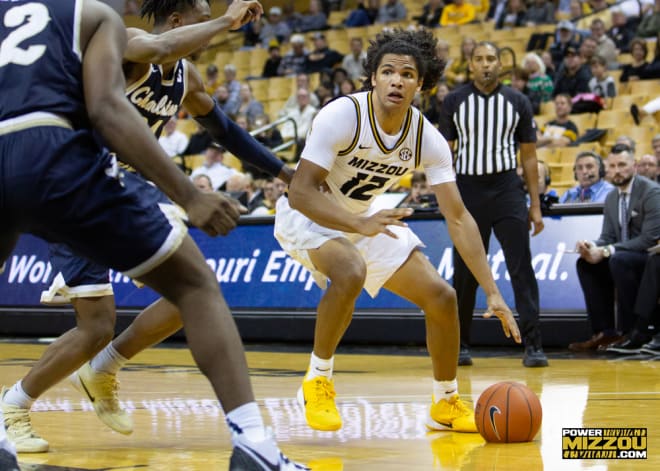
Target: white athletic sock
{"type": "Point", "coordinates": [319, 367]}
{"type": "Point", "coordinates": [108, 360]}
{"type": "Point", "coordinates": [444, 389]}
{"type": "Point", "coordinates": [248, 418]}
{"type": "Point", "coordinates": [17, 397]}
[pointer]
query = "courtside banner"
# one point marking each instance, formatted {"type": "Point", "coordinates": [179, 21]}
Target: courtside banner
{"type": "Point", "coordinates": [255, 273]}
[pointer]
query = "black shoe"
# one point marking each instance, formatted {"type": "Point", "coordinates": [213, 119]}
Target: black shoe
{"type": "Point", "coordinates": [653, 347]}
{"type": "Point", "coordinates": [630, 345]}
{"type": "Point", "coordinates": [8, 461]}
{"type": "Point", "coordinates": [534, 357]}
{"type": "Point", "coordinates": [464, 358]}
{"type": "Point", "coordinates": [634, 111]}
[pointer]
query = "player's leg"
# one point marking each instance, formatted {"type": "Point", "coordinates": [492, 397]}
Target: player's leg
{"type": "Point", "coordinates": [97, 379]}
{"type": "Point", "coordinates": [419, 282]}
{"type": "Point", "coordinates": [340, 261]}
{"type": "Point", "coordinates": [95, 318]}
{"type": "Point", "coordinates": [186, 280]}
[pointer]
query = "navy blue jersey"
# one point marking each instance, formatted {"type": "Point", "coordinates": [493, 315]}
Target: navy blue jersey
{"type": "Point", "coordinates": [158, 98]}
{"type": "Point", "coordinates": [40, 59]}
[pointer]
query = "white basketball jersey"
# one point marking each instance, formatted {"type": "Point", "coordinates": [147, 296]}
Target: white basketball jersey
{"type": "Point", "coordinates": [365, 167]}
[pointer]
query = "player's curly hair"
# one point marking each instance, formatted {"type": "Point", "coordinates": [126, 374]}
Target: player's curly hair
{"type": "Point", "coordinates": [420, 45]}
{"type": "Point", "coordinates": [160, 10]}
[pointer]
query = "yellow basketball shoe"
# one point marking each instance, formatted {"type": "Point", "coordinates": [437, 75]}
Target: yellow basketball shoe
{"type": "Point", "coordinates": [317, 397]}
{"type": "Point", "coordinates": [19, 428]}
{"type": "Point", "coordinates": [451, 414]}
{"type": "Point", "coordinates": [101, 389]}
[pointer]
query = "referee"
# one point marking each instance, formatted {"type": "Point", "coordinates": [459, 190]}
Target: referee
{"type": "Point", "coordinates": [486, 123]}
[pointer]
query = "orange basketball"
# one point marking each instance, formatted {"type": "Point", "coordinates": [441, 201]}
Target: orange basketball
{"type": "Point", "coordinates": [508, 412]}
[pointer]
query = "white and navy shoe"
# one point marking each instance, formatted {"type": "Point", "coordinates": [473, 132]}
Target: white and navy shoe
{"type": "Point", "coordinates": [259, 456]}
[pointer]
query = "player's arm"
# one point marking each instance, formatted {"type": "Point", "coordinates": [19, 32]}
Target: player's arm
{"type": "Point", "coordinates": [465, 235]}
{"type": "Point", "coordinates": [226, 132]}
{"type": "Point", "coordinates": [176, 43]}
{"type": "Point", "coordinates": [305, 195]}
{"type": "Point", "coordinates": [103, 39]}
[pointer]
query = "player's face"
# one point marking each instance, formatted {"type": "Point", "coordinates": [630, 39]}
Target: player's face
{"type": "Point", "coordinates": [485, 66]}
{"type": "Point", "coordinates": [396, 81]}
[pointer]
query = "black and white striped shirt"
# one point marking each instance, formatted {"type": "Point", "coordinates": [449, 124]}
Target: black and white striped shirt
{"type": "Point", "coordinates": [487, 128]}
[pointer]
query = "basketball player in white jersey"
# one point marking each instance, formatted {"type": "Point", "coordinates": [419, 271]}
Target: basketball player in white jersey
{"type": "Point", "coordinates": [359, 146]}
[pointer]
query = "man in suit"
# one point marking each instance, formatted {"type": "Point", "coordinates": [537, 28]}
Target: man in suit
{"type": "Point", "coordinates": [615, 262]}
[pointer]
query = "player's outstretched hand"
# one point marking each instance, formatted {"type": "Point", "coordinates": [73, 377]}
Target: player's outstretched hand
{"type": "Point", "coordinates": [377, 223]}
{"type": "Point", "coordinates": [214, 213]}
{"type": "Point", "coordinates": [243, 12]}
{"type": "Point", "coordinates": [497, 307]}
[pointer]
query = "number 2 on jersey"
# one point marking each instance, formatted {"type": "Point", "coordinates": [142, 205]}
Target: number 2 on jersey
{"type": "Point", "coordinates": [360, 193]}
{"type": "Point", "coordinates": [37, 18]}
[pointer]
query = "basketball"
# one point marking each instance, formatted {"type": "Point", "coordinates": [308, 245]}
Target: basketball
{"type": "Point", "coordinates": [508, 412]}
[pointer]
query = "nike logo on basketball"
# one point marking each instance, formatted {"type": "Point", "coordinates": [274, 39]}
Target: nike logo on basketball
{"type": "Point", "coordinates": [364, 147]}
{"type": "Point", "coordinates": [491, 412]}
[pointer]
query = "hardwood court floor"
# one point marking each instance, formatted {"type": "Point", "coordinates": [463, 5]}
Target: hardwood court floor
{"type": "Point", "coordinates": [383, 400]}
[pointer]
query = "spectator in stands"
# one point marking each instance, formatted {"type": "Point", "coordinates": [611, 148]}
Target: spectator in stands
{"type": "Point", "coordinates": [363, 15]}
{"type": "Point", "coordinates": [346, 87]}
{"type": "Point", "coordinates": [272, 190]}
{"type": "Point", "coordinates": [218, 172]}
{"type": "Point", "coordinates": [605, 47]}
{"type": "Point", "coordinates": [547, 195]}
{"type": "Point", "coordinates": [540, 12]}
{"type": "Point", "coordinates": [302, 114]}
{"type": "Point", "coordinates": [566, 38]}
{"type": "Point", "coordinates": [574, 76]}
{"type": "Point", "coordinates": [457, 13]}
{"type": "Point", "coordinates": [391, 12]}
{"type": "Point", "coordinates": [615, 262]}
{"type": "Point", "coordinates": [622, 31]}
{"type": "Point", "coordinates": [550, 70]}
{"type": "Point", "coordinates": [221, 95]}
{"type": "Point", "coordinates": [211, 81]}
{"type": "Point", "coordinates": [561, 131]}
{"type": "Point", "coordinates": [512, 16]}
{"type": "Point", "coordinates": [302, 81]}
{"type": "Point", "coordinates": [314, 20]}
{"type": "Point", "coordinates": [338, 75]}
{"type": "Point", "coordinates": [627, 140]}
{"type": "Point", "coordinates": [272, 64]}
{"type": "Point", "coordinates": [442, 54]}
{"type": "Point", "coordinates": [457, 73]}
{"type": "Point", "coordinates": [419, 188]}
{"type": "Point", "coordinates": [633, 71]}
{"type": "Point", "coordinates": [647, 166]}
{"type": "Point", "coordinates": [322, 57]}
{"type": "Point", "coordinates": [203, 182]}
{"type": "Point", "coordinates": [650, 24]}
{"type": "Point", "coordinates": [173, 141]}
{"type": "Point", "coordinates": [252, 33]}
{"type": "Point", "coordinates": [539, 82]}
{"type": "Point", "coordinates": [434, 107]}
{"type": "Point", "coordinates": [589, 171]}
{"type": "Point", "coordinates": [602, 83]}
{"type": "Point", "coordinates": [199, 141]}
{"type": "Point", "coordinates": [275, 28]}
{"type": "Point", "coordinates": [519, 81]}
{"type": "Point", "coordinates": [353, 61]}
{"type": "Point", "coordinates": [270, 138]}
{"type": "Point", "coordinates": [248, 105]}
{"type": "Point", "coordinates": [431, 13]}
{"type": "Point", "coordinates": [233, 89]}
{"type": "Point", "coordinates": [293, 62]}
{"type": "Point", "coordinates": [587, 50]}
{"type": "Point", "coordinates": [652, 71]}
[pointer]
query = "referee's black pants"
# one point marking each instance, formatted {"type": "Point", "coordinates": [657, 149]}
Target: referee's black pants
{"type": "Point", "coordinates": [497, 202]}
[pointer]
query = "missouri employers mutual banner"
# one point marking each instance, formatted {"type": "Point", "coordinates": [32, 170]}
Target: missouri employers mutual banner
{"type": "Point", "coordinates": [255, 273]}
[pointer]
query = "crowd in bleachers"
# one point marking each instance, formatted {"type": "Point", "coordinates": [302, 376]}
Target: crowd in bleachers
{"type": "Point", "coordinates": [583, 65]}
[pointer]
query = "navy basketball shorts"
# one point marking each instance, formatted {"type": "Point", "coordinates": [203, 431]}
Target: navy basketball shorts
{"type": "Point", "coordinates": [60, 185]}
